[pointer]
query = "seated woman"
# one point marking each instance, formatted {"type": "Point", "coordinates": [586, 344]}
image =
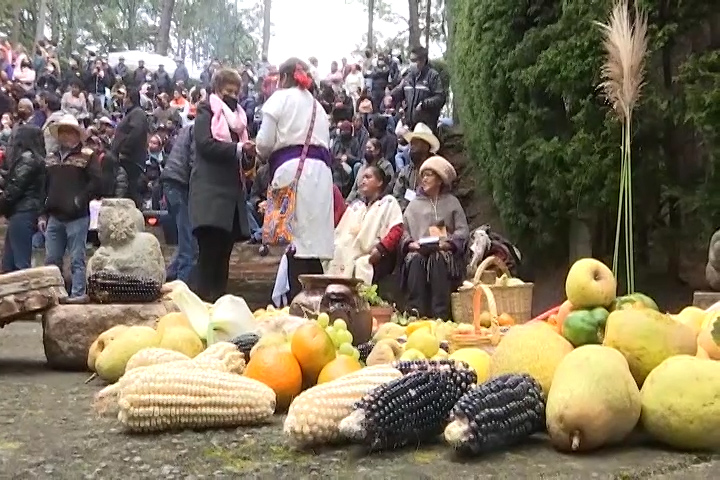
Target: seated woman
{"type": "Point", "coordinates": [369, 232]}
{"type": "Point", "coordinates": [430, 273]}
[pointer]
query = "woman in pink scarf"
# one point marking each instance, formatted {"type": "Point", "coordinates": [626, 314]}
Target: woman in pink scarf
{"type": "Point", "coordinates": [217, 197]}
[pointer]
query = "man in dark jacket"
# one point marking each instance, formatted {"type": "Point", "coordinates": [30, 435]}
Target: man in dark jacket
{"type": "Point", "coordinates": [380, 79]}
{"type": "Point", "coordinates": [175, 180]}
{"type": "Point", "coordinates": [422, 90]}
{"type": "Point", "coordinates": [181, 77]}
{"type": "Point", "coordinates": [121, 70]}
{"type": "Point", "coordinates": [73, 179]}
{"type": "Point", "coordinates": [140, 74]}
{"type": "Point", "coordinates": [96, 83]}
{"type": "Point", "coordinates": [162, 80]}
{"type": "Point", "coordinates": [130, 142]}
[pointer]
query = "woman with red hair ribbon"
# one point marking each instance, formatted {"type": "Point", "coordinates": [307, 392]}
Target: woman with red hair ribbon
{"type": "Point", "coordinates": [295, 136]}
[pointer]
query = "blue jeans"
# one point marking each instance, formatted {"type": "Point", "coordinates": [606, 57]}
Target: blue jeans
{"type": "Point", "coordinates": [17, 251]}
{"type": "Point", "coordinates": [255, 227]}
{"type": "Point", "coordinates": [183, 259]}
{"type": "Point", "coordinates": [71, 237]}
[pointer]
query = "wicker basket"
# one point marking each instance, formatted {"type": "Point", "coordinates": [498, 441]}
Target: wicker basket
{"type": "Point", "coordinates": [481, 338]}
{"type": "Point", "coordinates": [514, 300]}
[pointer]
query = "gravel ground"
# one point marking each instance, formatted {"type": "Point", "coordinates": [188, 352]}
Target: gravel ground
{"type": "Point", "coordinates": [47, 431]}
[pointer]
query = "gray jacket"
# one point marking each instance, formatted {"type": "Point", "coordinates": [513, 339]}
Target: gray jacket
{"type": "Point", "coordinates": [178, 164]}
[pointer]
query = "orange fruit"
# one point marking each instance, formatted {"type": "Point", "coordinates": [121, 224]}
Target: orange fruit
{"type": "Point", "coordinates": [505, 320]}
{"type": "Point", "coordinates": [278, 369]}
{"type": "Point", "coordinates": [337, 368]}
{"type": "Point", "coordinates": [313, 348]}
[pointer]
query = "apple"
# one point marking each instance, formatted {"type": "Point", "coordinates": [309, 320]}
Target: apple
{"type": "Point", "coordinates": [590, 283]}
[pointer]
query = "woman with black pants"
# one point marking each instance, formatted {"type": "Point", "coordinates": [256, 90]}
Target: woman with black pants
{"type": "Point", "coordinates": [217, 194]}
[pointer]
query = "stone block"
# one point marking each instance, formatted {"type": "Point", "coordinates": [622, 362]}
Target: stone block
{"type": "Point", "coordinates": [125, 246]}
{"type": "Point", "coordinates": [705, 299]}
{"type": "Point", "coordinates": [69, 330]}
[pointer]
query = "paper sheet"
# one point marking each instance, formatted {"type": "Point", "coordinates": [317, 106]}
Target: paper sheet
{"type": "Point", "coordinates": [94, 213]}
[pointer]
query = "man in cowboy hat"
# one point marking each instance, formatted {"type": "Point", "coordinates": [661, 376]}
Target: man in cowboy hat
{"type": "Point", "coordinates": [423, 144]}
{"type": "Point", "coordinates": [73, 178]}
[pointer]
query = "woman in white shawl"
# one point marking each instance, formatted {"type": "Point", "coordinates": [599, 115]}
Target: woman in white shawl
{"type": "Point", "coordinates": [369, 232]}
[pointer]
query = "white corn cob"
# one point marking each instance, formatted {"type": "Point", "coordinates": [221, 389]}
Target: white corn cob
{"type": "Point", "coordinates": [232, 358]}
{"type": "Point", "coordinates": [170, 398]}
{"type": "Point", "coordinates": [314, 416]}
{"type": "Point", "coordinates": [105, 401]}
{"type": "Point", "coordinates": [154, 356]}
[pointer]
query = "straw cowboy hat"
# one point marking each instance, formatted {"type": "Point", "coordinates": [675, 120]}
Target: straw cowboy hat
{"type": "Point", "coordinates": [423, 132]}
{"type": "Point", "coordinates": [67, 121]}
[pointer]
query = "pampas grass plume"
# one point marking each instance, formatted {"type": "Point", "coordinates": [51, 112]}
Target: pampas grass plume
{"type": "Point", "coordinates": [625, 43]}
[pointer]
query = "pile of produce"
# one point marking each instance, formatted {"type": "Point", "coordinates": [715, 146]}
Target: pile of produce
{"type": "Point", "coordinates": [586, 376]}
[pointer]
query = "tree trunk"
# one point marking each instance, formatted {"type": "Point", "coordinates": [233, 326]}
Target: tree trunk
{"type": "Point", "coordinates": [16, 13]}
{"type": "Point", "coordinates": [414, 23]}
{"type": "Point", "coordinates": [162, 43]}
{"type": "Point", "coordinates": [40, 21]}
{"type": "Point", "coordinates": [54, 22]}
{"type": "Point", "coordinates": [370, 26]}
{"type": "Point", "coordinates": [70, 39]}
{"type": "Point", "coordinates": [267, 4]}
{"type": "Point", "coordinates": [450, 33]}
{"type": "Point", "coordinates": [428, 23]}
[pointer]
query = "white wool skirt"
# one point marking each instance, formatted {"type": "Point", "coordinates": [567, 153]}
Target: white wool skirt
{"type": "Point", "coordinates": [314, 227]}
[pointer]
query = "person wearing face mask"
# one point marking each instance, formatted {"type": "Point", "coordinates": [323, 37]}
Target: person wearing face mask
{"type": "Point", "coordinates": [373, 157]}
{"type": "Point", "coordinates": [423, 144]}
{"type": "Point", "coordinates": [130, 142]}
{"type": "Point", "coordinates": [346, 153]}
{"type": "Point", "coordinates": [422, 90]}
{"type": "Point", "coordinates": [217, 199]}
{"type": "Point", "coordinates": [388, 141]}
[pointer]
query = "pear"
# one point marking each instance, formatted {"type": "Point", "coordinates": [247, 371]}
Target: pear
{"type": "Point", "coordinates": [110, 364]}
{"type": "Point", "coordinates": [101, 342]}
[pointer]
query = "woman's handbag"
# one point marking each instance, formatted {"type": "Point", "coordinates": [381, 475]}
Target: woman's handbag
{"type": "Point", "coordinates": [279, 218]}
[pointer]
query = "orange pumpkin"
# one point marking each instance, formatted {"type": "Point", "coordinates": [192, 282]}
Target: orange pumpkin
{"type": "Point", "coordinates": [278, 369]}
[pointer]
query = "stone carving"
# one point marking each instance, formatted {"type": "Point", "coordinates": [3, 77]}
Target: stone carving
{"type": "Point", "coordinates": [712, 269]}
{"type": "Point", "coordinates": [68, 330]}
{"type": "Point", "coordinates": [125, 246]}
{"type": "Point", "coordinates": [30, 291]}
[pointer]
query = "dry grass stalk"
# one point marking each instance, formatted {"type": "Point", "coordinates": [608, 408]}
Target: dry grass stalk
{"type": "Point", "coordinates": [626, 44]}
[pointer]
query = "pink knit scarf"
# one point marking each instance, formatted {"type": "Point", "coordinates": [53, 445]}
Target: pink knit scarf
{"type": "Point", "coordinates": [225, 120]}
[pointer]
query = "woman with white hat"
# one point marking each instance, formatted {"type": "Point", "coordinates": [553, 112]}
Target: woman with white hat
{"type": "Point", "coordinates": [423, 144]}
{"type": "Point", "coordinates": [436, 233]}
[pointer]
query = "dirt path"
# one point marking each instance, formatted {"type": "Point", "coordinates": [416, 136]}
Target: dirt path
{"type": "Point", "coordinates": [47, 431]}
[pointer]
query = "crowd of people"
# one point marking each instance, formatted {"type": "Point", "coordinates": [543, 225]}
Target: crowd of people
{"type": "Point", "coordinates": [343, 168]}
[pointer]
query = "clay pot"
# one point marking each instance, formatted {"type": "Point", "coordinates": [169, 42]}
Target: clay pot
{"type": "Point", "coordinates": [382, 314]}
{"type": "Point", "coordinates": [339, 298]}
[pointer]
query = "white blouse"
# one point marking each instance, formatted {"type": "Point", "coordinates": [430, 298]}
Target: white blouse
{"type": "Point", "coordinates": [285, 121]}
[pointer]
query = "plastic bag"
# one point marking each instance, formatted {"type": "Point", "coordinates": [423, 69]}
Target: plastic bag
{"type": "Point", "coordinates": [285, 324]}
{"type": "Point", "coordinates": [227, 318]}
{"type": "Point", "coordinates": [192, 306]}
{"type": "Point", "coordinates": [230, 316]}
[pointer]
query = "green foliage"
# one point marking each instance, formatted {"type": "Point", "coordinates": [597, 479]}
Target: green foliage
{"type": "Point", "coordinates": [200, 29]}
{"type": "Point", "coordinates": [525, 76]}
